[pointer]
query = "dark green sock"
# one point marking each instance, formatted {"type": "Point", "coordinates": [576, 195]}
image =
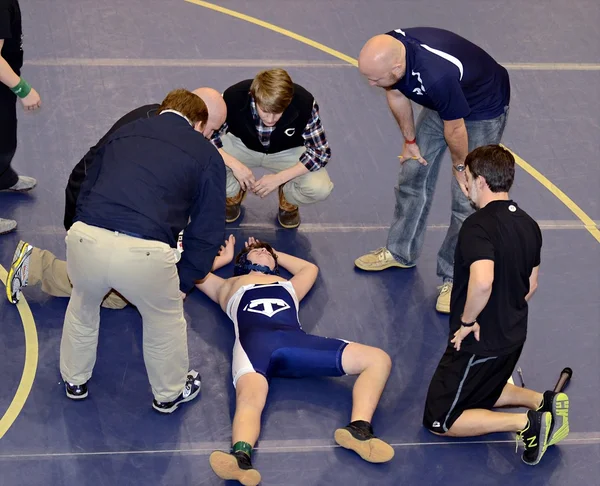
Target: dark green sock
{"type": "Point", "coordinates": [242, 447]}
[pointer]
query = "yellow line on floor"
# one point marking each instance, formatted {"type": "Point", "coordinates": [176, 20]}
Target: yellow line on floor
{"type": "Point", "coordinates": [588, 222]}
{"type": "Point", "coordinates": [274, 28]}
{"type": "Point", "coordinates": [544, 181]}
{"type": "Point", "coordinates": [30, 366]}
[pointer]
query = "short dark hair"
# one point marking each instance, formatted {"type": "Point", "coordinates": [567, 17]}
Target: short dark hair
{"type": "Point", "coordinates": [254, 246]}
{"type": "Point", "coordinates": [186, 103]}
{"type": "Point", "coordinates": [494, 163]}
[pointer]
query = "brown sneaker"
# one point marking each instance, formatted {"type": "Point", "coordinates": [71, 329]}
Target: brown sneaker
{"type": "Point", "coordinates": [377, 260]}
{"type": "Point", "coordinates": [234, 206]}
{"type": "Point", "coordinates": [288, 215]}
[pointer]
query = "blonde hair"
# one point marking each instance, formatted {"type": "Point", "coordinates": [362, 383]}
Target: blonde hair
{"type": "Point", "coordinates": [186, 103]}
{"type": "Point", "coordinates": [272, 90]}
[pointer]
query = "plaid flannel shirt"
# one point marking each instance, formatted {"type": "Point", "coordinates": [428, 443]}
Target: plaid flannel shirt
{"type": "Point", "coordinates": [317, 152]}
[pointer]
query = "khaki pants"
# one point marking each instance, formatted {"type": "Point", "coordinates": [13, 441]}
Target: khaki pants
{"type": "Point", "coordinates": [51, 272]}
{"type": "Point", "coordinates": [145, 273]}
{"type": "Point", "coordinates": [308, 188]}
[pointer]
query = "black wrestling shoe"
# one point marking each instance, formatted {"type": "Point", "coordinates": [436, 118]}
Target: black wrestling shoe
{"type": "Point", "coordinates": [558, 405]}
{"type": "Point", "coordinates": [358, 437]}
{"type": "Point", "coordinates": [190, 391]}
{"type": "Point", "coordinates": [76, 392]}
{"type": "Point", "coordinates": [535, 436]}
{"type": "Point", "coordinates": [235, 465]}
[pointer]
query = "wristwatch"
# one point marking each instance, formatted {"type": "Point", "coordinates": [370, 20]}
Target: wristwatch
{"type": "Point", "coordinates": [468, 324]}
{"type": "Point", "coordinates": [459, 167]}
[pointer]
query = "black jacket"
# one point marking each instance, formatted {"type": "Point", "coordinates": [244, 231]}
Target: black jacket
{"type": "Point", "coordinates": [150, 178]}
{"type": "Point", "coordinates": [78, 173]}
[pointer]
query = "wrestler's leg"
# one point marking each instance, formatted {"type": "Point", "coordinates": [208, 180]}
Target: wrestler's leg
{"type": "Point", "coordinates": [373, 366]}
{"type": "Point", "coordinates": [251, 395]}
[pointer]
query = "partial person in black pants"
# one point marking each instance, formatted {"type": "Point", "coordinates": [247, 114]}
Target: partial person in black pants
{"type": "Point", "coordinates": [11, 87]}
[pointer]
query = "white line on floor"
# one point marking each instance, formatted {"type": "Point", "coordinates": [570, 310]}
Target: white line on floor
{"type": "Point", "coordinates": [274, 446]}
{"type": "Point", "coordinates": [137, 62]}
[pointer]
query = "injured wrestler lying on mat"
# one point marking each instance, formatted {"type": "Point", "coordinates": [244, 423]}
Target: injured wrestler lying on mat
{"type": "Point", "coordinates": [270, 342]}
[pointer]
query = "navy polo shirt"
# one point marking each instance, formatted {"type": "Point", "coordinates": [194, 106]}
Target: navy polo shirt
{"type": "Point", "coordinates": [451, 75]}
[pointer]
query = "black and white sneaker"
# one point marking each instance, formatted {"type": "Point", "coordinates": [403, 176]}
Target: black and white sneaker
{"type": "Point", "coordinates": [76, 392]}
{"type": "Point", "coordinates": [190, 391]}
{"type": "Point", "coordinates": [19, 272]}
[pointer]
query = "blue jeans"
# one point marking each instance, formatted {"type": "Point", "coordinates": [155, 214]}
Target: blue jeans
{"type": "Point", "coordinates": [416, 185]}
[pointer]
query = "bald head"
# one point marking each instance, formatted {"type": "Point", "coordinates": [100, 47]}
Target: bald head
{"type": "Point", "coordinates": [217, 109]}
{"type": "Point", "coordinates": [382, 60]}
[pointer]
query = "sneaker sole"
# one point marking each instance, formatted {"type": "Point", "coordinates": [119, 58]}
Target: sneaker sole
{"type": "Point", "coordinates": [378, 268]}
{"type": "Point", "coordinates": [226, 467]}
{"type": "Point", "coordinates": [233, 220]}
{"type": "Point", "coordinates": [22, 251]}
{"type": "Point", "coordinates": [8, 231]}
{"type": "Point", "coordinates": [174, 407]}
{"type": "Point", "coordinates": [560, 413]}
{"type": "Point", "coordinates": [442, 309]}
{"type": "Point", "coordinates": [288, 226]}
{"type": "Point", "coordinates": [372, 450]}
{"type": "Point", "coordinates": [545, 432]}
{"type": "Point", "coordinates": [77, 397]}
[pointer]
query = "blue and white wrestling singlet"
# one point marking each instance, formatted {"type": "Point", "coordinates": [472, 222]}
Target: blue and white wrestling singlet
{"type": "Point", "coordinates": [269, 338]}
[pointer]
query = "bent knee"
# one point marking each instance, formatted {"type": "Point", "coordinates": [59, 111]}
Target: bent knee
{"type": "Point", "coordinates": [384, 360]}
{"type": "Point", "coordinates": [314, 189]}
{"type": "Point", "coordinates": [360, 357]}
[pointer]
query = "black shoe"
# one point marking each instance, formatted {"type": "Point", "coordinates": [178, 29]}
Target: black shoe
{"type": "Point", "coordinates": [76, 392]}
{"type": "Point", "coordinates": [358, 437]}
{"type": "Point", "coordinates": [558, 405]}
{"type": "Point", "coordinates": [535, 436]}
{"type": "Point", "coordinates": [236, 465]}
{"type": "Point", "coordinates": [190, 391]}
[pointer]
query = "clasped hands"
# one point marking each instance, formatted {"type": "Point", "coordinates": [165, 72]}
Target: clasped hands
{"type": "Point", "coordinates": [261, 187]}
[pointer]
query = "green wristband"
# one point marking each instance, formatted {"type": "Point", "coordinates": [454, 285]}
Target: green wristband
{"type": "Point", "coordinates": [22, 89]}
{"type": "Point", "coordinates": [242, 446]}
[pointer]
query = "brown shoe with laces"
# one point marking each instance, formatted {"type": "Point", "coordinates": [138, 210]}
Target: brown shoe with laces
{"type": "Point", "coordinates": [288, 215]}
{"type": "Point", "coordinates": [233, 207]}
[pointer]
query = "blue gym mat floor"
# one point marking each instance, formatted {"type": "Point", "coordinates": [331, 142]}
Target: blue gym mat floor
{"type": "Point", "coordinates": [93, 61]}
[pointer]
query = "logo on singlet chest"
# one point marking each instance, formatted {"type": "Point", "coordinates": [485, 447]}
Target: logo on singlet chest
{"type": "Point", "coordinates": [266, 307]}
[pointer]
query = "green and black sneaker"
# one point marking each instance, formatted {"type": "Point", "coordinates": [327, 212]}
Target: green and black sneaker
{"type": "Point", "coordinates": [535, 436]}
{"type": "Point", "coordinates": [558, 405]}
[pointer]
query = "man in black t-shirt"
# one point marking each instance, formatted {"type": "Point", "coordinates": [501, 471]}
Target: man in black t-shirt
{"type": "Point", "coordinates": [11, 86]}
{"type": "Point", "coordinates": [496, 266]}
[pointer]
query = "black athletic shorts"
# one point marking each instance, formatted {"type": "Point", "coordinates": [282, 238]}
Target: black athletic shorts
{"type": "Point", "coordinates": [463, 381]}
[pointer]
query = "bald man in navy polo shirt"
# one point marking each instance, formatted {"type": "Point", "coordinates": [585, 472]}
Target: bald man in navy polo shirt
{"type": "Point", "coordinates": [465, 95]}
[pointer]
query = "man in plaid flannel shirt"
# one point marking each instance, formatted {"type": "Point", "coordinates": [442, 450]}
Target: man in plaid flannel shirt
{"type": "Point", "coordinates": [273, 123]}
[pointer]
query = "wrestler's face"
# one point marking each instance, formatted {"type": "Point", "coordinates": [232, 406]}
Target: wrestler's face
{"type": "Point", "coordinates": [261, 256]}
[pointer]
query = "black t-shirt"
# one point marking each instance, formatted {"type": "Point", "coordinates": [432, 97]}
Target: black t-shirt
{"type": "Point", "coordinates": [11, 32]}
{"type": "Point", "coordinates": [508, 236]}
